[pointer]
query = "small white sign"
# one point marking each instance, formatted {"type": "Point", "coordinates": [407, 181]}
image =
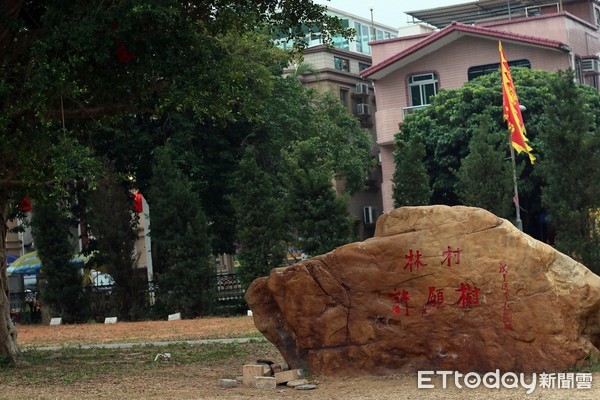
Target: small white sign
{"type": "Point", "coordinates": [174, 317]}
{"type": "Point", "coordinates": [110, 320]}
{"type": "Point", "coordinates": [56, 321]}
{"type": "Point", "coordinates": [249, 313]}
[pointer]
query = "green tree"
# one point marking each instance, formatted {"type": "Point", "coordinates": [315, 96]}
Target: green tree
{"type": "Point", "coordinates": [410, 180]}
{"type": "Point", "coordinates": [485, 177]}
{"type": "Point", "coordinates": [180, 241]}
{"type": "Point", "coordinates": [318, 216]}
{"type": "Point", "coordinates": [569, 166]}
{"type": "Point", "coordinates": [261, 218]}
{"type": "Point", "coordinates": [62, 291]}
{"type": "Point", "coordinates": [113, 228]}
{"type": "Point", "coordinates": [84, 72]}
{"type": "Point", "coordinates": [285, 196]}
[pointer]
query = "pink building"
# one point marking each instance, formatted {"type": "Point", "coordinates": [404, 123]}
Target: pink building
{"type": "Point", "coordinates": [408, 71]}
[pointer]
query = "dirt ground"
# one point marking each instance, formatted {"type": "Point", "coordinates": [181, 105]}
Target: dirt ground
{"type": "Point", "coordinates": [192, 382]}
{"type": "Point", "coordinates": [147, 331]}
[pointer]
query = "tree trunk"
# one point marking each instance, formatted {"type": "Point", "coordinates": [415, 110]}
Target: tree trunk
{"type": "Point", "coordinates": [8, 332]}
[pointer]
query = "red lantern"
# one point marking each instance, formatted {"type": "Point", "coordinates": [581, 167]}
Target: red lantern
{"type": "Point", "coordinates": [25, 204]}
{"type": "Point", "coordinates": [138, 205]}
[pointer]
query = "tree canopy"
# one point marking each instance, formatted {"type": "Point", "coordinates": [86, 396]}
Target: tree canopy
{"type": "Point", "coordinates": [84, 79]}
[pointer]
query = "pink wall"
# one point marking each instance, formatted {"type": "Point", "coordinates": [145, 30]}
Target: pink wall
{"type": "Point", "coordinates": [384, 50]}
{"type": "Point", "coordinates": [581, 37]}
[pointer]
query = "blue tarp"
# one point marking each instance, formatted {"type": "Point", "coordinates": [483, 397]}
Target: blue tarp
{"type": "Point", "coordinates": [30, 264]}
{"type": "Point", "coordinates": [10, 258]}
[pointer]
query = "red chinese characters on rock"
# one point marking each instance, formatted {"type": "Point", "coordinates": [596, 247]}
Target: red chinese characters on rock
{"type": "Point", "coordinates": [448, 256]}
{"type": "Point", "coordinates": [435, 299]}
{"type": "Point", "coordinates": [506, 311]}
{"type": "Point", "coordinates": [469, 296]}
{"type": "Point", "coordinates": [468, 293]}
{"type": "Point", "coordinates": [413, 260]}
{"type": "Point", "coordinates": [399, 298]}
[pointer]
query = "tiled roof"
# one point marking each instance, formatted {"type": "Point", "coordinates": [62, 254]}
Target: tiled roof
{"type": "Point", "coordinates": [467, 29]}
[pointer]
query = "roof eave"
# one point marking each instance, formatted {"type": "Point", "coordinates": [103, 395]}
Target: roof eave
{"type": "Point", "coordinates": [377, 72]}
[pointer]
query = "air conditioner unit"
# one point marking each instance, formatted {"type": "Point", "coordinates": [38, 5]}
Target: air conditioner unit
{"type": "Point", "coordinates": [591, 65]}
{"type": "Point", "coordinates": [363, 109]}
{"type": "Point", "coordinates": [369, 215]}
{"type": "Point", "coordinates": [362, 88]}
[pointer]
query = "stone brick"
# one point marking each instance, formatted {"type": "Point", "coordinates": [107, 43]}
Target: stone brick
{"type": "Point", "coordinates": [251, 371]}
{"type": "Point", "coordinates": [297, 382]}
{"type": "Point", "coordinates": [275, 368]}
{"type": "Point", "coordinates": [266, 369]}
{"type": "Point", "coordinates": [286, 376]}
{"type": "Point", "coordinates": [265, 382]}
{"type": "Point", "coordinates": [227, 383]}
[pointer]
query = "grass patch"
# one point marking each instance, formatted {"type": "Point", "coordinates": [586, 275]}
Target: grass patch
{"type": "Point", "coordinates": [77, 365]}
{"type": "Point", "coordinates": [593, 365]}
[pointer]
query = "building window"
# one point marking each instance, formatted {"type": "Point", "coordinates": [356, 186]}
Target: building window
{"type": "Point", "coordinates": [597, 13]}
{"type": "Point", "coordinates": [480, 70]}
{"type": "Point", "coordinates": [363, 37]}
{"type": "Point", "coordinates": [341, 64]}
{"type": "Point", "coordinates": [344, 96]}
{"type": "Point", "coordinates": [340, 42]}
{"type": "Point", "coordinates": [363, 66]}
{"type": "Point", "coordinates": [421, 88]}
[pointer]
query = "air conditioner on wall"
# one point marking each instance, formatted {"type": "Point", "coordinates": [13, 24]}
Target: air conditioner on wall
{"type": "Point", "coordinates": [363, 109]}
{"type": "Point", "coordinates": [362, 88]}
{"type": "Point", "coordinates": [590, 65]}
{"type": "Point", "coordinates": [369, 215]}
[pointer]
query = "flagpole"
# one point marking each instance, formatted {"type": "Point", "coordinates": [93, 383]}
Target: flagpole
{"type": "Point", "coordinates": [514, 166]}
{"type": "Point", "coordinates": [511, 110]}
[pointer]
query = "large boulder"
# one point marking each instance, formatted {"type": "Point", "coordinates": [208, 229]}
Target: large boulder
{"type": "Point", "coordinates": [437, 288]}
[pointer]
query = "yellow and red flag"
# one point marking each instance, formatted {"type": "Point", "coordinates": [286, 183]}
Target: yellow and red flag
{"type": "Point", "coordinates": [512, 109]}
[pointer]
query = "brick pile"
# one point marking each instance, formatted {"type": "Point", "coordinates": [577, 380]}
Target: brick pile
{"type": "Point", "coordinates": [266, 374]}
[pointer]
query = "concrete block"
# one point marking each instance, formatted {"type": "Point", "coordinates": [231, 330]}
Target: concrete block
{"type": "Point", "coordinates": [174, 317]}
{"type": "Point", "coordinates": [266, 369]}
{"type": "Point", "coordinates": [286, 376]}
{"type": "Point", "coordinates": [265, 382]}
{"type": "Point", "coordinates": [227, 383]}
{"type": "Point", "coordinates": [251, 371]}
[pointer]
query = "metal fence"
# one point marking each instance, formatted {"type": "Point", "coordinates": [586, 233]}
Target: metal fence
{"type": "Point", "coordinates": [25, 307]}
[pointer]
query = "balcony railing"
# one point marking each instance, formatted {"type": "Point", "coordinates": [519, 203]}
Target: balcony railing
{"type": "Point", "coordinates": [410, 110]}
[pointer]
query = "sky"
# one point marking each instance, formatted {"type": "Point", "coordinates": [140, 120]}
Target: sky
{"type": "Point", "coordinates": [387, 12]}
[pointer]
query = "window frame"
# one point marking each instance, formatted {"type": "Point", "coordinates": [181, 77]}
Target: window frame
{"type": "Point", "coordinates": [339, 61]}
{"type": "Point", "coordinates": [485, 69]}
{"type": "Point", "coordinates": [422, 81]}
